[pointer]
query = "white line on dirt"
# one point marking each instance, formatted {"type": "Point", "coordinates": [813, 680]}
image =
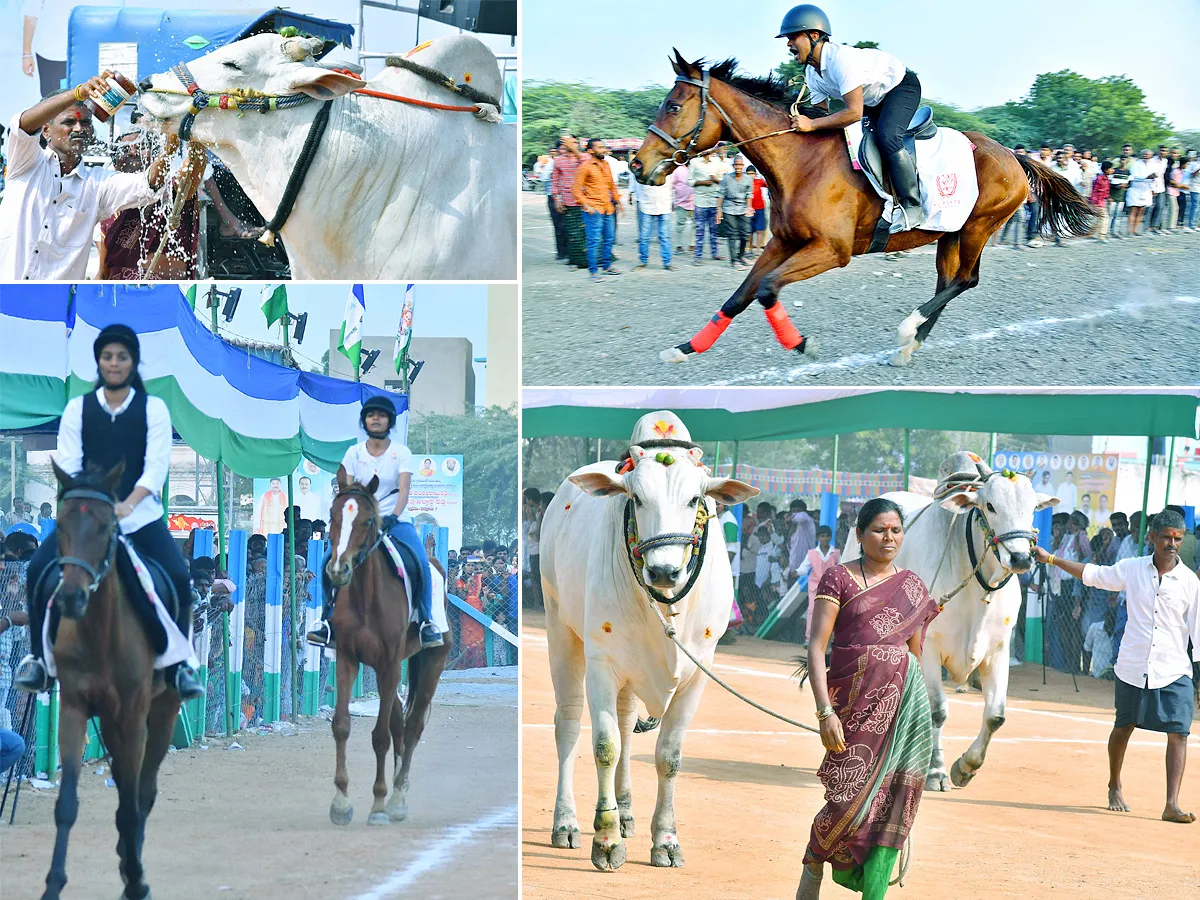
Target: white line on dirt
{"type": "Point", "coordinates": [862, 360]}
{"type": "Point", "coordinates": [445, 846]}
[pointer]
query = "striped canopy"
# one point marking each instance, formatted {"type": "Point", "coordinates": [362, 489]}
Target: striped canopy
{"type": "Point", "coordinates": [813, 482]}
{"type": "Point", "coordinates": [257, 417]}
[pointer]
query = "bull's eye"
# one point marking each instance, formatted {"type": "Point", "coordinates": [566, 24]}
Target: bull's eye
{"type": "Point", "coordinates": [230, 64]}
{"type": "Point", "coordinates": [991, 508]}
{"type": "Point", "coordinates": [637, 501]}
{"type": "Point", "coordinates": [694, 502]}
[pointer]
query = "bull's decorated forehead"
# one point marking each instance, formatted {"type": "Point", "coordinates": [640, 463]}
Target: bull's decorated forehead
{"type": "Point", "coordinates": [664, 429]}
{"type": "Point", "coordinates": [1009, 474]}
{"type": "Point", "coordinates": [661, 425]}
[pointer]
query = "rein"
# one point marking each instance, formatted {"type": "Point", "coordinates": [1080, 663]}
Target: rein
{"type": "Point", "coordinates": [634, 549]}
{"type": "Point", "coordinates": [97, 575]}
{"type": "Point", "coordinates": [368, 546]}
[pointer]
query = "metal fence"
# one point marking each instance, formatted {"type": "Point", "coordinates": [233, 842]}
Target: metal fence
{"type": "Point", "coordinates": [18, 711]}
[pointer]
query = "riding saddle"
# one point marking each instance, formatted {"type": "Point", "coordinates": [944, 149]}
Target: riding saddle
{"type": "Point", "coordinates": [921, 128]}
{"type": "Point", "coordinates": [137, 595]}
{"type": "Point", "coordinates": [412, 567]}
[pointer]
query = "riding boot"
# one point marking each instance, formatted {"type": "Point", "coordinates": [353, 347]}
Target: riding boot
{"type": "Point", "coordinates": [183, 678]}
{"type": "Point", "coordinates": [322, 635]}
{"type": "Point", "coordinates": [32, 676]}
{"type": "Point", "coordinates": [903, 169]}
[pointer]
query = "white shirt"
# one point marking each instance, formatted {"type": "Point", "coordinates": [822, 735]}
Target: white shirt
{"type": "Point", "coordinates": [653, 199]}
{"type": "Point", "coordinates": [155, 466]}
{"type": "Point", "coordinates": [1163, 613]}
{"type": "Point", "coordinates": [845, 68]}
{"type": "Point", "coordinates": [310, 505]}
{"type": "Point", "coordinates": [362, 467]}
{"type": "Point", "coordinates": [735, 546]}
{"type": "Point", "coordinates": [47, 218]}
{"type": "Point", "coordinates": [1158, 166]}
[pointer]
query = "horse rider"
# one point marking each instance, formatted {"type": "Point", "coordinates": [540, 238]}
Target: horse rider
{"type": "Point", "coordinates": [392, 463]}
{"type": "Point", "coordinates": [118, 422]}
{"type": "Point", "coordinates": [867, 81]}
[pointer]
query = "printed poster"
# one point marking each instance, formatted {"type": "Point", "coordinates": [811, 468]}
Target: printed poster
{"type": "Point", "coordinates": [1081, 481]}
{"type": "Point", "coordinates": [436, 496]}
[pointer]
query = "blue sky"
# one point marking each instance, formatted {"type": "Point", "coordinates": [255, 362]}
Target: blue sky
{"type": "Point", "coordinates": [969, 54]}
{"type": "Point", "coordinates": [439, 310]}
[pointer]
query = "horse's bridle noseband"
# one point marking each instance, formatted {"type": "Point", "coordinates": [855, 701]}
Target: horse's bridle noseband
{"type": "Point", "coordinates": [683, 154]}
{"type": "Point", "coordinates": [241, 99]}
{"type": "Point", "coordinates": [97, 575]}
{"type": "Point", "coordinates": [368, 546]}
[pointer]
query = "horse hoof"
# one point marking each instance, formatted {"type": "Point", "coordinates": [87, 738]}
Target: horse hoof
{"type": "Point", "coordinates": [667, 856]}
{"type": "Point", "coordinates": [937, 781]}
{"type": "Point", "coordinates": [397, 812]}
{"type": "Point", "coordinates": [341, 815]}
{"type": "Point", "coordinates": [806, 347]}
{"type": "Point", "coordinates": [566, 838]}
{"type": "Point", "coordinates": [607, 856]}
{"type": "Point", "coordinates": [959, 775]}
{"type": "Point", "coordinates": [627, 826]}
{"type": "Point", "coordinates": [900, 359]}
{"type": "Point", "coordinates": [379, 818]}
{"type": "Point", "coordinates": [673, 355]}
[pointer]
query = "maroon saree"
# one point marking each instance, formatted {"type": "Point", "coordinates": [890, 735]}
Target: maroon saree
{"type": "Point", "coordinates": [872, 788]}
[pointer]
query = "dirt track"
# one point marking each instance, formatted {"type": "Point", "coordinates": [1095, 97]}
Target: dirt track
{"type": "Point", "coordinates": [1080, 315]}
{"type": "Point", "coordinates": [1032, 824]}
{"type": "Point", "coordinates": [254, 825]}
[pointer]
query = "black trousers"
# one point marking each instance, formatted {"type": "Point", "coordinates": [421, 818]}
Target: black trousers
{"type": "Point", "coordinates": [560, 233]}
{"type": "Point", "coordinates": [895, 111]}
{"type": "Point", "coordinates": [151, 541]}
{"type": "Point", "coordinates": [51, 75]}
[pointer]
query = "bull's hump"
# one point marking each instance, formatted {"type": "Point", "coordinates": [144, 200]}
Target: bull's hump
{"type": "Point", "coordinates": [463, 58]}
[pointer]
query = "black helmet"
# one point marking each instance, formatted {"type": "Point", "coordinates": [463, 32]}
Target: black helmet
{"type": "Point", "coordinates": [378, 403]}
{"type": "Point", "coordinates": [118, 334]}
{"type": "Point", "coordinates": [805, 17]}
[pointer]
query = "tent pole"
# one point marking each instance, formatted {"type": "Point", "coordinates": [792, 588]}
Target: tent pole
{"type": "Point", "coordinates": [291, 568]}
{"type": "Point", "coordinates": [737, 446]}
{"type": "Point", "coordinates": [1146, 493]}
{"type": "Point", "coordinates": [907, 449]}
{"type": "Point", "coordinates": [836, 447]}
{"type": "Point", "coordinates": [717, 458]}
{"type": "Point", "coordinates": [598, 449]}
{"type": "Point", "coordinates": [1170, 466]}
{"type": "Point", "coordinates": [992, 448]}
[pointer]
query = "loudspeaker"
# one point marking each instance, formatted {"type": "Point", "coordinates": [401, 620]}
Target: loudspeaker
{"type": "Point", "coordinates": [481, 16]}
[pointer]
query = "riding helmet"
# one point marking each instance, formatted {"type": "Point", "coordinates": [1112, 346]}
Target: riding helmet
{"type": "Point", "coordinates": [805, 17]}
{"type": "Point", "coordinates": [118, 334]}
{"type": "Point", "coordinates": [378, 403]}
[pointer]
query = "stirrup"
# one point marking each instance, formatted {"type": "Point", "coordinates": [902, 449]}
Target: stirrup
{"type": "Point", "coordinates": [910, 218]}
{"type": "Point", "coordinates": [31, 676]}
{"type": "Point", "coordinates": [186, 683]}
{"type": "Point", "coordinates": [431, 635]}
{"type": "Point", "coordinates": [322, 635]}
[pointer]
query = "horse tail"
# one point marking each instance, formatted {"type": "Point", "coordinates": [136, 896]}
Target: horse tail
{"type": "Point", "coordinates": [1066, 212]}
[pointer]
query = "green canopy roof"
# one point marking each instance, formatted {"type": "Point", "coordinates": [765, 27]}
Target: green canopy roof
{"type": "Point", "coordinates": [771, 414]}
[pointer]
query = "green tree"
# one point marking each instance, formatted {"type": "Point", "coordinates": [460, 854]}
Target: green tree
{"type": "Point", "coordinates": [1099, 114]}
{"type": "Point", "coordinates": [552, 107]}
{"type": "Point", "coordinates": [487, 440]}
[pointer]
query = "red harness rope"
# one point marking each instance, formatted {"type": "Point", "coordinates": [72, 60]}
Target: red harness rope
{"type": "Point", "coordinates": [411, 100]}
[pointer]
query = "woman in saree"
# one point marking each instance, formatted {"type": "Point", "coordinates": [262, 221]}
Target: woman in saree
{"type": "Point", "coordinates": [872, 707]}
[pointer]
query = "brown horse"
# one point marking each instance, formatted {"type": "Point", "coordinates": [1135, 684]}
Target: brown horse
{"type": "Point", "coordinates": [373, 626]}
{"type": "Point", "coordinates": [105, 668]}
{"type": "Point", "coordinates": [823, 211]}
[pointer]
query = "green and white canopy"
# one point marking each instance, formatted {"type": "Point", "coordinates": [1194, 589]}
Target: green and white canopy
{"type": "Point", "coordinates": [257, 417]}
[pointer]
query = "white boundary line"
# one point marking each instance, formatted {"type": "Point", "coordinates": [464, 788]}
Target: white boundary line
{"type": "Point", "coordinates": [446, 845]}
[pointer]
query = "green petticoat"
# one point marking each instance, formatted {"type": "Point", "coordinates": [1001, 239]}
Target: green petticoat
{"type": "Point", "coordinates": [872, 879]}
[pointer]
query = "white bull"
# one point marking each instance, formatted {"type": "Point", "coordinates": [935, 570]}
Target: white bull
{"type": "Point", "coordinates": [974, 629]}
{"type": "Point", "coordinates": [394, 190]}
{"type": "Point", "coordinates": [604, 633]}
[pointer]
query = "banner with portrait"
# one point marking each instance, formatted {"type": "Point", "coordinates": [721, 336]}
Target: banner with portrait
{"type": "Point", "coordinates": [1081, 481]}
{"type": "Point", "coordinates": [313, 490]}
{"type": "Point", "coordinates": [436, 496]}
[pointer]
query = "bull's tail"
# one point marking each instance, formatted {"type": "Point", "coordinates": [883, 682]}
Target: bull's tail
{"type": "Point", "coordinates": [1065, 211]}
{"type": "Point", "coordinates": [801, 672]}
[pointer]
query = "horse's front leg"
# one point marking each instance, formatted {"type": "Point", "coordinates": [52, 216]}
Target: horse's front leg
{"type": "Point", "coordinates": [341, 810]}
{"type": "Point", "coordinates": [817, 256]}
{"type": "Point", "coordinates": [993, 676]}
{"type": "Point", "coordinates": [160, 731]}
{"type": "Point", "coordinates": [72, 729]}
{"type": "Point", "coordinates": [774, 254]}
{"type": "Point", "coordinates": [424, 672]}
{"type": "Point", "coordinates": [131, 752]}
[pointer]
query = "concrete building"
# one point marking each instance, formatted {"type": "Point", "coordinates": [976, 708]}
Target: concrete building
{"type": "Point", "coordinates": [445, 385]}
{"type": "Point", "coordinates": [502, 324]}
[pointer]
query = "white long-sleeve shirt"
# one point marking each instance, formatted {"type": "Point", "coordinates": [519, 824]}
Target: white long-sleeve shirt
{"type": "Point", "coordinates": [47, 219]}
{"type": "Point", "coordinates": [1164, 612]}
{"type": "Point", "coordinates": [156, 464]}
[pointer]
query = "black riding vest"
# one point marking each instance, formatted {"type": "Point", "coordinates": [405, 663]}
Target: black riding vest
{"type": "Point", "coordinates": [109, 439]}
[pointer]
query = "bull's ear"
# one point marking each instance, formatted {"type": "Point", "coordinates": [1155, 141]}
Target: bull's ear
{"type": "Point", "coordinates": [959, 501]}
{"type": "Point", "coordinates": [322, 84]}
{"type": "Point", "coordinates": [599, 484]}
{"type": "Point", "coordinates": [696, 455]}
{"type": "Point", "coordinates": [1045, 500]}
{"type": "Point", "coordinates": [729, 491]}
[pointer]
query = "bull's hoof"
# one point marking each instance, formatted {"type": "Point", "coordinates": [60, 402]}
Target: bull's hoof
{"type": "Point", "coordinates": [607, 856]}
{"type": "Point", "coordinates": [627, 827]}
{"type": "Point", "coordinates": [937, 781]}
{"type": "Point", "coordinates": [673, 355]}
{"type": "Point", "coordinates": [397, 810]}
{"type": "Point", "coordinates": [566, 838]}
{"type": "Point", "coordinates": [667, 855]}
{"type": "Point", "coordinates": [959, 775]}
{"type": "Point", "coordinates": [340, 813]}
{"type": "Point", "coordinates": [379, 818]}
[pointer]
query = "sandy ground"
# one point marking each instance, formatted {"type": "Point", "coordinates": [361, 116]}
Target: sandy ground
{"type": "Point", "coordinates": [1039, 316]}
{"type": "Point", "coordinates": [1033, 823]}
{"type": "Point", "coordinates": [255, 824]}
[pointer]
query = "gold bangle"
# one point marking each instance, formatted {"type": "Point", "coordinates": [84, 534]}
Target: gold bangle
{"type": "Point", "coordinates": [79, 98]}
{"type": "Point", "coordinates": [1050, 561]}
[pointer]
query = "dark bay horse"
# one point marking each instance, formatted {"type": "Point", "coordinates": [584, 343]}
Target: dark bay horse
{"type": "Point", "coordinates": [105, 668]}
{"type": "Point", "coordinates": [372, 624]}
{"type": "Point", "coordinates": [823, 211]}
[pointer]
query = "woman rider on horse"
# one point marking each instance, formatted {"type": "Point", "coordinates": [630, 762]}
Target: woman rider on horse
{"type": "Point", "coordinates": [118, 422]}
{"type": "Point", "coordinates": [392, 463]}
{"type": "Point", "coordinates": [867, 81]}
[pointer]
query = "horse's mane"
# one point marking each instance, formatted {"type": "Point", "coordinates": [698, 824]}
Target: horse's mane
{"type": "Point", "coordinates": [771, 89]}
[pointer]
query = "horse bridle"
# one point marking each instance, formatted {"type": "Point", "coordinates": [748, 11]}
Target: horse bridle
{"type": "Point", "coordinates": [241, 99]}
{"type": "Point", "coordinates": [368, 546]}
{"type": "Point", "coordinates": [97, 575]}
{"type": "Point", "coordinates": [683, 154]}
{"type": "Point", "coordinates": [696, 538]}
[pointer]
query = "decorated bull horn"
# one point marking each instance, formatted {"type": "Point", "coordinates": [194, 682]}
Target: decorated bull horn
{"type": "Point", "coordinates": [984, 470]}
{"type": "Point", "coordinates": [297, 49]}
{"type": "Point", "coordinates": [267, 238]}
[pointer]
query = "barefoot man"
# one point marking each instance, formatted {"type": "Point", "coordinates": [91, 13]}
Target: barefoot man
{"type": "Point", "coordinates": [1154, 681]}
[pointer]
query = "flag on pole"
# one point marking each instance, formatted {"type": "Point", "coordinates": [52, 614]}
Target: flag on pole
{"type": "Point", "coordinates": [274, 305]}
{"type": "Point", "coordinates": [350, 343]}
{"type": "Point", "coordinates": [190, 293]}
{"type": "Point", "coordinates": [404, 333]}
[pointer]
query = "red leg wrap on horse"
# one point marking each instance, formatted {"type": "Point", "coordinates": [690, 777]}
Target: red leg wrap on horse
{"type": "Point", "coordinates": [785, 331]}
{"type": "Point", "coordinates": [707, 336]}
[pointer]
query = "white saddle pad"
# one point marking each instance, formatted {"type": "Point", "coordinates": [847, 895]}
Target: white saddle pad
{"type": "Point", "coordinates": [179, 646]}
{"type": "Point", "coordinates": [438, 608]}
{"type": "Point", "coordinates": [946, 170]}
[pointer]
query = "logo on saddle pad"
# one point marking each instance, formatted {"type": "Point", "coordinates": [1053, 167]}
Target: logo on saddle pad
{"type": "Point", "coordinates": [947, 184]}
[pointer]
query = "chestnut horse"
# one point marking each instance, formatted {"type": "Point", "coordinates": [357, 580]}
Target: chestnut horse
{"type": "Point", "coordinates": [372, 624]}
{"type": "Point", "coordinates": [823, 211]}
{"type": "Point", "coordinates": [105, 668]}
